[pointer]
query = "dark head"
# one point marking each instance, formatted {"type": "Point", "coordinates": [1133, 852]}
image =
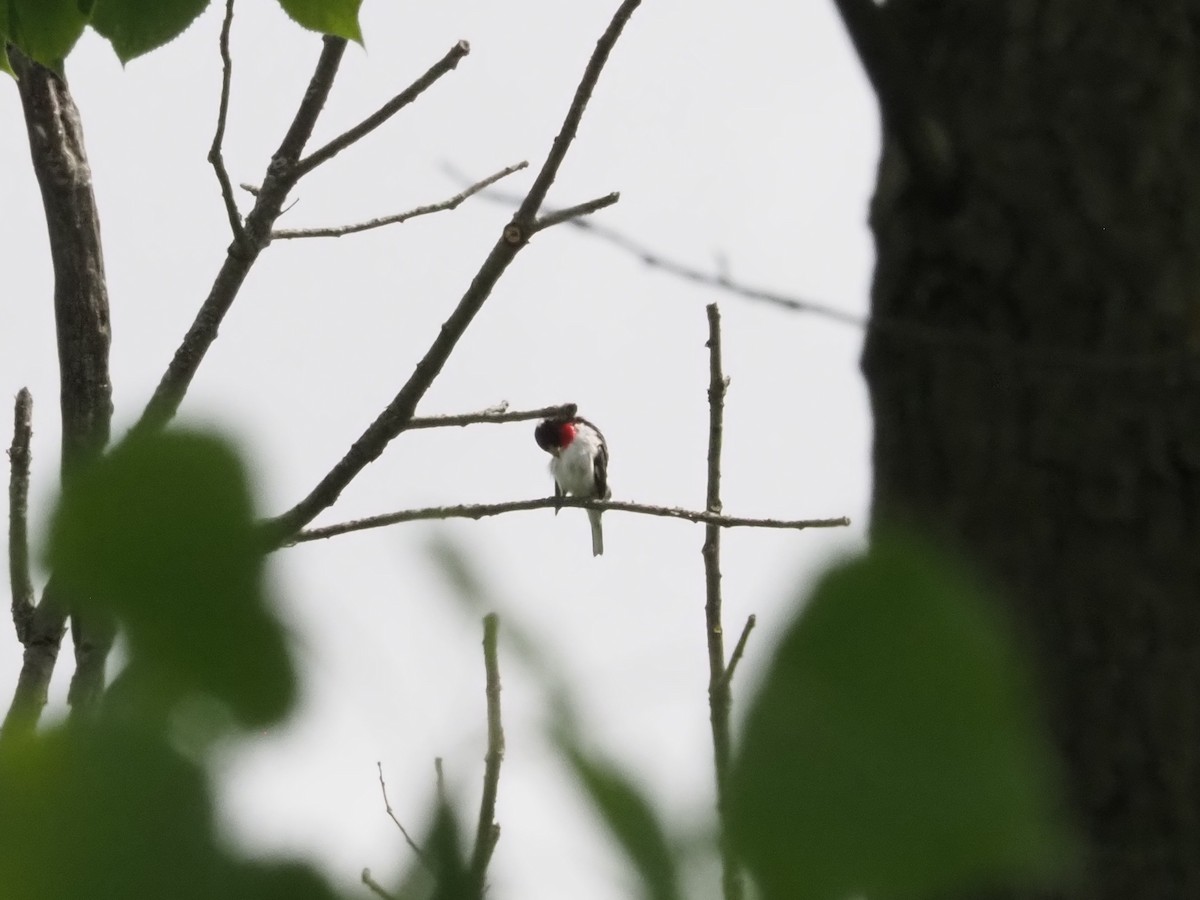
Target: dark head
{"type": "Point", "coordinates": [554, 435]}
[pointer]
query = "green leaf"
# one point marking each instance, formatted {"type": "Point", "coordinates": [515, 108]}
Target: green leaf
{"type": "Point", "coordinates": [893, 749]}
{"type": "Point", "coordinates": [632, 821]}
{"type": "Point", "coordinates": [103, 814]}
{"type": "Point", "coordinates": [45, 30]}
{"type": "Point", "coordinates": [135, 27]}
{"type": "Point", "coordinates": [337, 17]}
{"type": "Point", "coordinates": [160, 534]}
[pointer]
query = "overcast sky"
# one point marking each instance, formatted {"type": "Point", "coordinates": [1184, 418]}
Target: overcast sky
{"type": "Point", "coordinates": [741, 135]}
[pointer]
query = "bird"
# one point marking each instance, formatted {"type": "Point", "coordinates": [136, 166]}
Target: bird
{"type": "Point", "coordinates": [579, 464]}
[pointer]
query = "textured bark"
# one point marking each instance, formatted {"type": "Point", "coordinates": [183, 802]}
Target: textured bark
{"type": "Point", "coordinates": [1035, 384]}
{"type": "Point", "coordinates": [82, 325]}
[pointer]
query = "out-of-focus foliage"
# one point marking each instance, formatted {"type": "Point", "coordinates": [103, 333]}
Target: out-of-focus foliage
{"type": "Point", "coordinates": [160, 534]}
{"type": "Point", "coordinates": [893, 749]}
{"type": "Point", "coordinates": [46, 30]}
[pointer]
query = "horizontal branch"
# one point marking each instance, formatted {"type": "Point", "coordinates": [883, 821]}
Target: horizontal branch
{"type": "Point", "coordinates": [496, 415]}
{"type": "Point", "coordinates": [483, 510]}
{"type": "Point", "coordinates": [452, 203]}
{"type": "Point", "coordinates": [446, 64]}
{"type": "Point", "coordinates": [575, 212]}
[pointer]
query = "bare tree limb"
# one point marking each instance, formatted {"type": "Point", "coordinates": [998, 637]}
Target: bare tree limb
{"type": "Point", "coordinates": [18, 510]}
{"type": "Point", "coordinates": [719, 696]}
{"type": "Point", "coordinates": [452, 203]}
{"type": "Point", "coordinates": [488, 831]}
{"type": "Point", "coordinates": [81, 313]}
{"type": "Point", "coordinates": [739, 649]}
{"type": "Point", "coordinates": [446, 64]}
{"type": "Point", "coordinates": [496, 415]}
{"type": "Point", "coordinates": [575, 212]}
{"type": "Point", "coordinates": [375, 887]}
{"type": "Point", "coordinates": [718, 280]}
{"type": "Point", "coordinates": [280, 178]}
{"type": "Point", "coordinates": [43, 639]}
{"type": "Point", "coordinates": [215, 156]}
{"type": "Point", "coordinates": [387, 805]}
{"type": "Point", "coordinates": [392, 420]}
{"type": "Point", "coordinates": [532, 204]}
{"type": "Point", "coordinates": [484, 510]}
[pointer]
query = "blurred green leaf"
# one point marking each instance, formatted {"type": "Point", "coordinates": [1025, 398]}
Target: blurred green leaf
{"type": "Point", "coordinates": [337, 17]}
{"type": "Point", "coordinates": [893, 750]}
{"type": "Point", "coordinates": [103, 814]}
{"type": "Point", "coordinates": [631, 820]}
{"type": "Point", "coordinates": [160, 533]}
{"type": "Point", "coordinates": [135, 27]}
{"type": "Point", "coordinates": [45, 30]}
{"type": "Point", "coordinates": [277, 881]}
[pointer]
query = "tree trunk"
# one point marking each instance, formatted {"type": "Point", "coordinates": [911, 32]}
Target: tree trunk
{"type": "Point", "coordinates": [1035, 383]}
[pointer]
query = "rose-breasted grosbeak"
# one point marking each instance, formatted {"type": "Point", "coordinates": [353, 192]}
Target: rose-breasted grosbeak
{"type": "Point", "coordinates": [579, 464]}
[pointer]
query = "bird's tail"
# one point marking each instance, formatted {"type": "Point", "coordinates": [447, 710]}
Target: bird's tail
{"type": "Point", "coordinates": [597, 533]}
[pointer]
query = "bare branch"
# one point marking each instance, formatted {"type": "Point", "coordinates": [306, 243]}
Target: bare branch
{"type": "Point", "coordinates": [739, 649]}
{"type": "Point", "coordinates": [453, 203]}
{"type": "Point", "coordinates": [215, 157]}
{"type": "Point", "coordinates": [375, 887]}
{"type": "Point", "coordinates": [387, 805]}
{"type": "Point", "coordinates": [488, 831]}
{"type": "Point", "coordinates": [18, 509]}
{"type": "Point", "coordinates": [81, 312]}
{"type": "Point", "coordinates": [43, 639]}
{"type": "Point", "coordinates": [392, 420]}
{"type": "Point", "coordinates": [719, 696]}
{"type": "Point", "coordinates": [575, 212]}
{"type": "Point", "coordinates": [718, 280]}
{"type": "Point", "coordinates": [496, 415]}
{"type": "Point", "coordinates": [280, 178]}
{"type": "Point", "coordinates": [484, 510]}
{"type": "Point", "coordinates": [533, 201]}
{"type": "Point", "coordinates": [446, 64]}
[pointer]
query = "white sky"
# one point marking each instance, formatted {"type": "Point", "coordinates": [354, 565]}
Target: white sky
{"type": "Point", "coordinates": [745, 132]}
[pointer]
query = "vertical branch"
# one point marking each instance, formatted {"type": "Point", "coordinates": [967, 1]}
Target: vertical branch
{"type": "Point", "coordinates": [18, 506]}
{"type": "Point", "coordinates": [719, 695]}
{"type": "Point", "coordinates": [81, 315]}
{"type": "Point", "coordinates": [488, 831]}
{"type": "Point", "coordinates": [215, 156]}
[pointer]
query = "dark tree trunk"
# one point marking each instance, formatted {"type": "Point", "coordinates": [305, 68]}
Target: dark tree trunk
{"type": "Point", "coordinates": [1035, 382]}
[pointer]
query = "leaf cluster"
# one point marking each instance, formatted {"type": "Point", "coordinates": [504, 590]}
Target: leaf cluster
{"type": "Point", "coordinates": [46, 30]}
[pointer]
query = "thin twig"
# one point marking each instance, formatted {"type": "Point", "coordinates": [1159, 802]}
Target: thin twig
{"type": "Point", "coordinates": [739, 649]}
{"type": "Point", "coordinates": [495, 415]}
{"type": "Point", "coordinates": [387, 805]}
{"type": "Point", "coordinates": [488, 831]}
{"type": "Point", "coordinates": [484, 510]}
{"type": "Point", "coordinates": [446, 64]}
{"type": "Point", "coordinates": [215, 156]}
{"type": "Point", "coordinates": [453, 203]}
{"type": "Point", "coordinates": [653, 259]}
{"type": "Point", "coordinates": [280, 178]}
{"type": "Point", "coordinates": [575, 212]}
{"type": "Point", "coordinates": [719, 695]}
{"type": "Point", "coordinates": [375, 887]}
{"type": "Point", "coordinates": [392, 420]}
{"type": "Point", "coordinates": [18, 508]}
